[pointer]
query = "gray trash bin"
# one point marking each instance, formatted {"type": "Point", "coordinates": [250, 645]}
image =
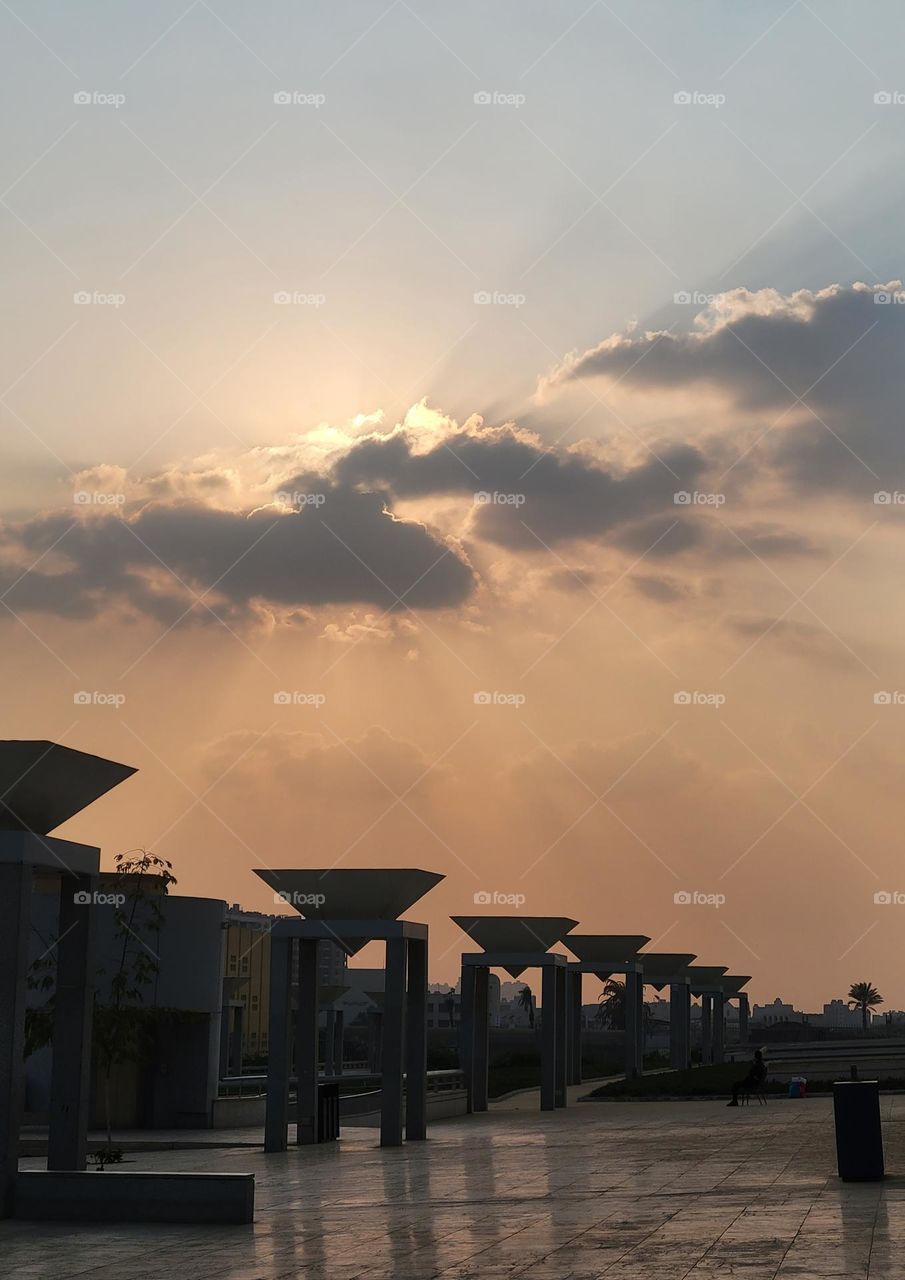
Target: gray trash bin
{"type": "Point", "coordinates": [859, 1137]}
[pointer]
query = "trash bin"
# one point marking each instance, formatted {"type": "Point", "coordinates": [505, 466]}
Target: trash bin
{"type": "Point", "coordinates": [859, 1137]}
{"type": "Point", "coordinates": [327, 1112]}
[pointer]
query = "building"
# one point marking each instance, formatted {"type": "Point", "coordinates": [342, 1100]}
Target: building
{"type": "Point", "coordinates": [768, 1015]}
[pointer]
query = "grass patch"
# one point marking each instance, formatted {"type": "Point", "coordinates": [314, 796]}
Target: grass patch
{"type": "Point", "coordinates": [697, 1082]}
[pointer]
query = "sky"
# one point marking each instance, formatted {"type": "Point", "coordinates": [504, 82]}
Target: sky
{"type": "Point", "coordinates": [470, 437]}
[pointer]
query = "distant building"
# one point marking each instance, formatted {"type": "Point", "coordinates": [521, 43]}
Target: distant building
{"type": "Point", "coordinates": [768, 1015]}
{"type": "Point", "coordinates": [838, 1014]}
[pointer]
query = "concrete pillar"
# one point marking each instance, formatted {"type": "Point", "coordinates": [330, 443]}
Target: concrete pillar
{"type": "Point", "coordinates": [548, 1039]}
{"type": "Point", "coordinates": [743, 1019]}
{"type": "Point", "coordinates": [719, 1027]}
{"type": "Point", "coordinates": [562, 1035]}
{"type": "Point", "coordinates": [706, 1031]}
{"type": "Point", "coordinates": [67, 1141]}
{"type": "Point", "coordinates": [416, 1042]}
{"type": "Point", "coordinates": [375, 1040]}
{"type": "Point", "coordinates": [573, 1029]}
{"type": "Point", "coordinates": [329, 1041]}
{"type": "Point", "coordinates": [306, 1045]}
{"type": "Point", "coordinates": [393, 1045]}
{"type": "Point", "coordinates": [235, 1042]}
{"type": "Point", "coordinates": [225, 1022]}
{"type": "Point", "coordinates": [481, 1038]}
{"type": "Point", "coordinates": [15, 928]}
{"type": "Point", "coordinates": [679, 1013]}
{"type": "Point", "coordinates": [339, 1023]}
{"type": "Point", "coordinates": [466, 1031]}
{"type": "Point", "coordinates": [634, 1029]}
{"type": "Point", "coordinates": [279, 1042]}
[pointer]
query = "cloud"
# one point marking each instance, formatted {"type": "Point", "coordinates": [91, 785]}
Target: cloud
{"type": "Point", "coordinates": [350, 550]}
{"type": "Point", "coordinates": [839, 348]}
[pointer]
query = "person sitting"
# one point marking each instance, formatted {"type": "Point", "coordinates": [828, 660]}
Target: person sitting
{"type": "Point", "coordinates": [753, 1081]}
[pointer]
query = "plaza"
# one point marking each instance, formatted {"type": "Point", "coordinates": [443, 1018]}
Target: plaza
{"type": "Point", "coordinates": [635, 1190]}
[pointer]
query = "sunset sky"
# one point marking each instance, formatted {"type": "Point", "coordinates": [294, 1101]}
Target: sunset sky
{"type": "Point", "coordinates": [382, 355]}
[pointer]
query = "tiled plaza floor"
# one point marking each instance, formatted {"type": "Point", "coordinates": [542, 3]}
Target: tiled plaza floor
{"type": "Point", "coordinates": [630, 1190]}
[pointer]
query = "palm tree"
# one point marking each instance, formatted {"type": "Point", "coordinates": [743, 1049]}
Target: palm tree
{"type": "Point", "coordinates": [863, 996]}
{"type": "Point", "coordinates": [611, 1005]}
{"type": "Point", "coordinates": [526, 1000]}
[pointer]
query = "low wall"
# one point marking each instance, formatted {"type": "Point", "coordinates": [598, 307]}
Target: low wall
{"type": "Point", "coordinates": [240, 1113]}
{"type": "Point", "coordinates": [136, 1197]}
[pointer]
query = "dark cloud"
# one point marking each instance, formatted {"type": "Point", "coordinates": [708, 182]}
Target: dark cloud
{"type": "Point", "coordinates": [351, 549]}
{"type": "Point", "coordinates": [841, 349]}
{"type": "Point", "coordinates": [532, 495]}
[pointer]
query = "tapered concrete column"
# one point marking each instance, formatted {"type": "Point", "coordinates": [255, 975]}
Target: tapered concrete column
{"type": "Point", "coordinates": [562, 1035]}
{"type": "Point", "coordinates": [235, 1051]}
{"type": "Point", "coordinates": [329, 1040]}
{"type": "Point", "coordinates": [706, 1031]}
{"type": "Point", "coordinates": [306, 1045]}
{"type": "Point", "coordinates": [339, 1023]}
{"type": "Point", "coordinates": [375, 1040]}
{"type": "Point", "coordinates": [548, 1029]}
{"type": "Point", "coordinates": [743, 1019]}
{"type": "Point", "coordinates": [634, 1029]}
{"type": "Point", "coordinates": [15, 928]}
{"type": "Point", "coordinates": [416, 1042]}
{"type": "Point", "coordinates": [393, 1045]}
{"type": "Point", "coordinates": [481, 1038]}
{"type": "Point", "coordinates": [279, 1044]}
{"type": "Point", "coordinates": [719, 1027]}
{"type": "Point", "coordinates": [466, 1031]}
{"type": "Point", "coordinates": [573, 1034]}
{"type": "Point", "coordinates": [679, 1012]}
{"type": "Point", "coordinates": [67, 1141]}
